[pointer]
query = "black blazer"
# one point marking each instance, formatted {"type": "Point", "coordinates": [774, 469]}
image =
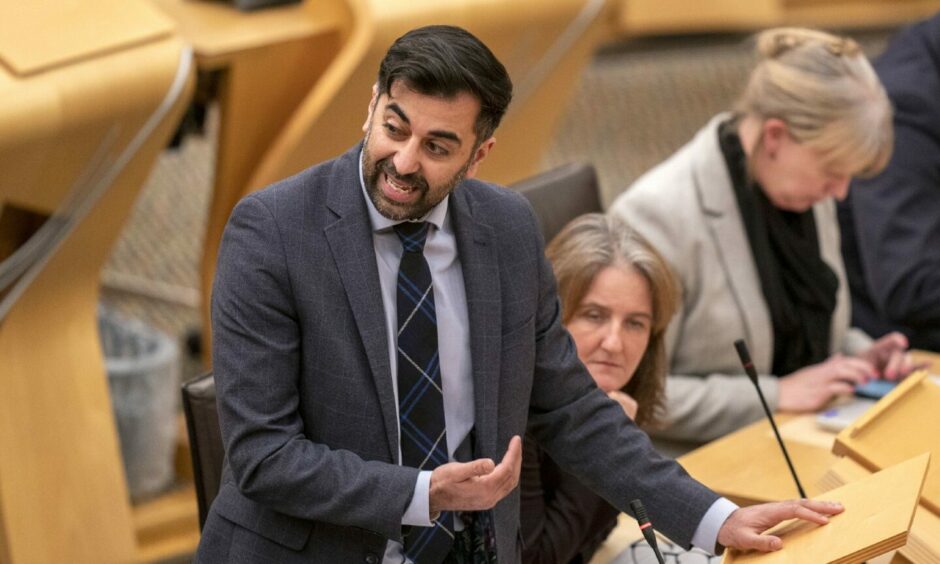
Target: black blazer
{"type": "Point", "coordinates": [891, 223]}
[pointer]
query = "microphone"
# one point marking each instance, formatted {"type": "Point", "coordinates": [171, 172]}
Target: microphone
{"type": "Point", "coordinates": [646, 528]}
{"type": "Point", "coordinates": [745, 357]}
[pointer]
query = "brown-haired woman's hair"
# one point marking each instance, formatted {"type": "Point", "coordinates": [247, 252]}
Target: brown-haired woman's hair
{"type": "Point", "coordinates": [581, 250]}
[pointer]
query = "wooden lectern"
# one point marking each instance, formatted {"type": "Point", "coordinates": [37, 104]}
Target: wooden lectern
{"type": "Point", "coordinates": [878, 513]}
{"type": "Point", "coordinates": [90, 93]}
{"type": "Point", "coordinates": [904, 423]}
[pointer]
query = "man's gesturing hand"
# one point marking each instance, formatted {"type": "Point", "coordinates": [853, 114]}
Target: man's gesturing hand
{"type": "Point", "coordinates": [742, 530]}
{"type": "Point", "coordinates": [476, 485]}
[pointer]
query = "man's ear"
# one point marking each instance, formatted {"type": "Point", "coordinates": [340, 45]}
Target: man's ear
{"type": "Point", "coordinates": [372, 102]}
{"type": "Point", "coordinates": [774, 132]}
{"type": "Point", "coordinates": [478, 156]}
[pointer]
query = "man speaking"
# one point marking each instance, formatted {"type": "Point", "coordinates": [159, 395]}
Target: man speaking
{"type": "Point", "coordinates": [386, 327]}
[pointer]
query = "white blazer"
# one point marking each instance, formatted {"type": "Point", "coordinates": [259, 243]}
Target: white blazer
{"type": "Point", "coordinates": [686, 208]}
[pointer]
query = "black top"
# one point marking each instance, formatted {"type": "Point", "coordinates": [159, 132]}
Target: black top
{"type": "Point", "coordinates": [799, 287]}
{"type": "Point", "coordinates": [561, 519]}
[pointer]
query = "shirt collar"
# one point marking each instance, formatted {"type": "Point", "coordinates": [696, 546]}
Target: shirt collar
{"type": "Point", "coordinates": [381, 224]}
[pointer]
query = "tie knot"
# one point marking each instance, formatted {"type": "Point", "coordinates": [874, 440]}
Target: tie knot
{"type": "Point", "coordinates": [412, 235]}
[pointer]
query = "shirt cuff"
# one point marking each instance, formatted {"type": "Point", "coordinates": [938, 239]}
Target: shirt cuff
{"type": "Point", "coordinates": [706, 535]}
{"type": "Point", "coordinates": [418, 513]}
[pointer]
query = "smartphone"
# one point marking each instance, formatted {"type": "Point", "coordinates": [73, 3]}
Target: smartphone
{"type": "Point", "coordinates": [875, 389]}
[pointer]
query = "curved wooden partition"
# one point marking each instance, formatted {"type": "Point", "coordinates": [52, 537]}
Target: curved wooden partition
{"type": "Point", "coordinates": [544, 46]}
{"type": "Point", "coordinates": [89, 95]}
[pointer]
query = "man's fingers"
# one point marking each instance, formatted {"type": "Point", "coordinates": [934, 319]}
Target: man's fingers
{"type": "Point", "coordinates": [462, 471]}
{"type": "Point", "coordinates": [506, 475]}
{"type": "Point", "coordinates": [743, 528]}
{"type": "Point", "coordinates": [814, 511]}
{"type": "Point", "coordinates": [763, 543]}
{"type": "Point", "coordinates": [823, 507]}
{"type": "Point", "coordinates": [513, 454]}
{"type": "Point", "coordinates": [807, 514]}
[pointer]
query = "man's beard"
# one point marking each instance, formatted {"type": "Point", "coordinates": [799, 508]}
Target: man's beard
{"type": "Point", "coordinates": [427, 199]}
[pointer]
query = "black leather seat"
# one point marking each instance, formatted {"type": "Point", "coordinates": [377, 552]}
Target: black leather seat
{"type": "Point", "coordinates": [205, 440]}
{"type": "Point", "coordinates": [560, 195]}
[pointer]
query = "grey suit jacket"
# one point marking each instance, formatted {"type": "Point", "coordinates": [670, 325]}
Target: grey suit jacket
{"type": "Point", "coordinates": [305, 392]}
{"type": "Point", "coordinates": [686, 208]}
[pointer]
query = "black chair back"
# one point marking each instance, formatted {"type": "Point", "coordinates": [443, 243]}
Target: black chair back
{"type": "Point", "coordinates": [205, 440]}
{"type": "Point", "coordinates": [560, 195]}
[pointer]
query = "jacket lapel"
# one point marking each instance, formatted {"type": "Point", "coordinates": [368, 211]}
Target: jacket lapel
{"type": "Point", "coordinates": [716, 197]}
{"type": "Point", "coordinates": [480, 265]}
{"type": "Point", "coordinates": [350, 241]}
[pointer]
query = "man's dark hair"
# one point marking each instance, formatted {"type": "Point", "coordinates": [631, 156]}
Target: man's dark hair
{"type": "Point", "coordinates": [442, 60]}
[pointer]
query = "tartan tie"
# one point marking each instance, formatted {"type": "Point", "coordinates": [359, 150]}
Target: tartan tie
{"type": "Point", "coordinates": [420, 395]}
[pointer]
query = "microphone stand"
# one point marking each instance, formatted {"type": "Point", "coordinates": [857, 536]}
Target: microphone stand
{"type": "Point", "coordinates": [745, 357]}
{"type": "Point", "coordinates": [646, 528]}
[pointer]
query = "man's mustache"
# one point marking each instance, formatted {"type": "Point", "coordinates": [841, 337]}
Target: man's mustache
{"type": "Point", "coordinates": [413, 179]}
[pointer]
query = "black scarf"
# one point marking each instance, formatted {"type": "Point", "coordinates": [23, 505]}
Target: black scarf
{"type": "Point", "coordinates": [799, 287]}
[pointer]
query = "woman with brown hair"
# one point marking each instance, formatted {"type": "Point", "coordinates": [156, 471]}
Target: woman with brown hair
{"type": "Point", "coordinates": [617, 297]}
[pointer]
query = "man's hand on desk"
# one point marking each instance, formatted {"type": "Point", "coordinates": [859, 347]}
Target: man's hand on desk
{"type": "Point", "coordinates": [742, 530]}
{"type": "Point", "coordinates": [475, 485]}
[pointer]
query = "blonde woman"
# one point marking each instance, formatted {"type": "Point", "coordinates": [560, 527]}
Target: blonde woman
{"type": "Point", "coordinates": [617, 296]}
{"type": "Point", "coordinates": [745, 214]}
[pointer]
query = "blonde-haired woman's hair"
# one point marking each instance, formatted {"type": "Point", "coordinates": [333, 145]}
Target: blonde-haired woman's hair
{"type": "Point", "coordinates": [823, 87]}
{"type": "Point", "coordinates": [585, 247]}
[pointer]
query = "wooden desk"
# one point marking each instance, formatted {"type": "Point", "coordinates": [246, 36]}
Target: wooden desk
{"type": "Point", "coordinates": [90, 93]}
{"type": "Point", "coordinates": [651, 17]}
{"type": "Point", "coordinates": [727, 465]}
{"type": "Point", "coordinates": [747, 466]}
{"type": "Point", "coordinates": [268, 61]}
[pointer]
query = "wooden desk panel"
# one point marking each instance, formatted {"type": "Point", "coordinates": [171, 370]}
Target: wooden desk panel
{"type": "Point", "coordinates": [748, 467]}
{"type": "Point", "coordinates": [269, 61]}
{"type": "Point", "coordinates": [63, 497]}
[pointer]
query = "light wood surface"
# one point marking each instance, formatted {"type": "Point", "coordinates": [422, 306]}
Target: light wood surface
{"type": "Point", "coordinates": [748, 467]}
{"type": "Point", "coordinates": [902, 424]}
{"type": "Point", "coordinates": [77, 33]}
{"type": "Point", "coordinates": [923, 544]}
{"type": "Point", "coordinates": [651, 17]}
{"type": "Point", "coordinates": [268, 61]}
{"type": "Point", "coordinates": [877, 517]}
{"type": "Point", "coordinates": [220, 34]}
{"type": "Point", "coordinates": [63, 496]}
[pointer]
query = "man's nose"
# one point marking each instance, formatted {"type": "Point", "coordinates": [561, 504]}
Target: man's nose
{"type": "Point", "coordinates": [406, 159]}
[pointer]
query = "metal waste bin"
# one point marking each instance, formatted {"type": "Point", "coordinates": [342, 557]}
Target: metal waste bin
{"type": "Point", "coordinates": [143, 374]}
